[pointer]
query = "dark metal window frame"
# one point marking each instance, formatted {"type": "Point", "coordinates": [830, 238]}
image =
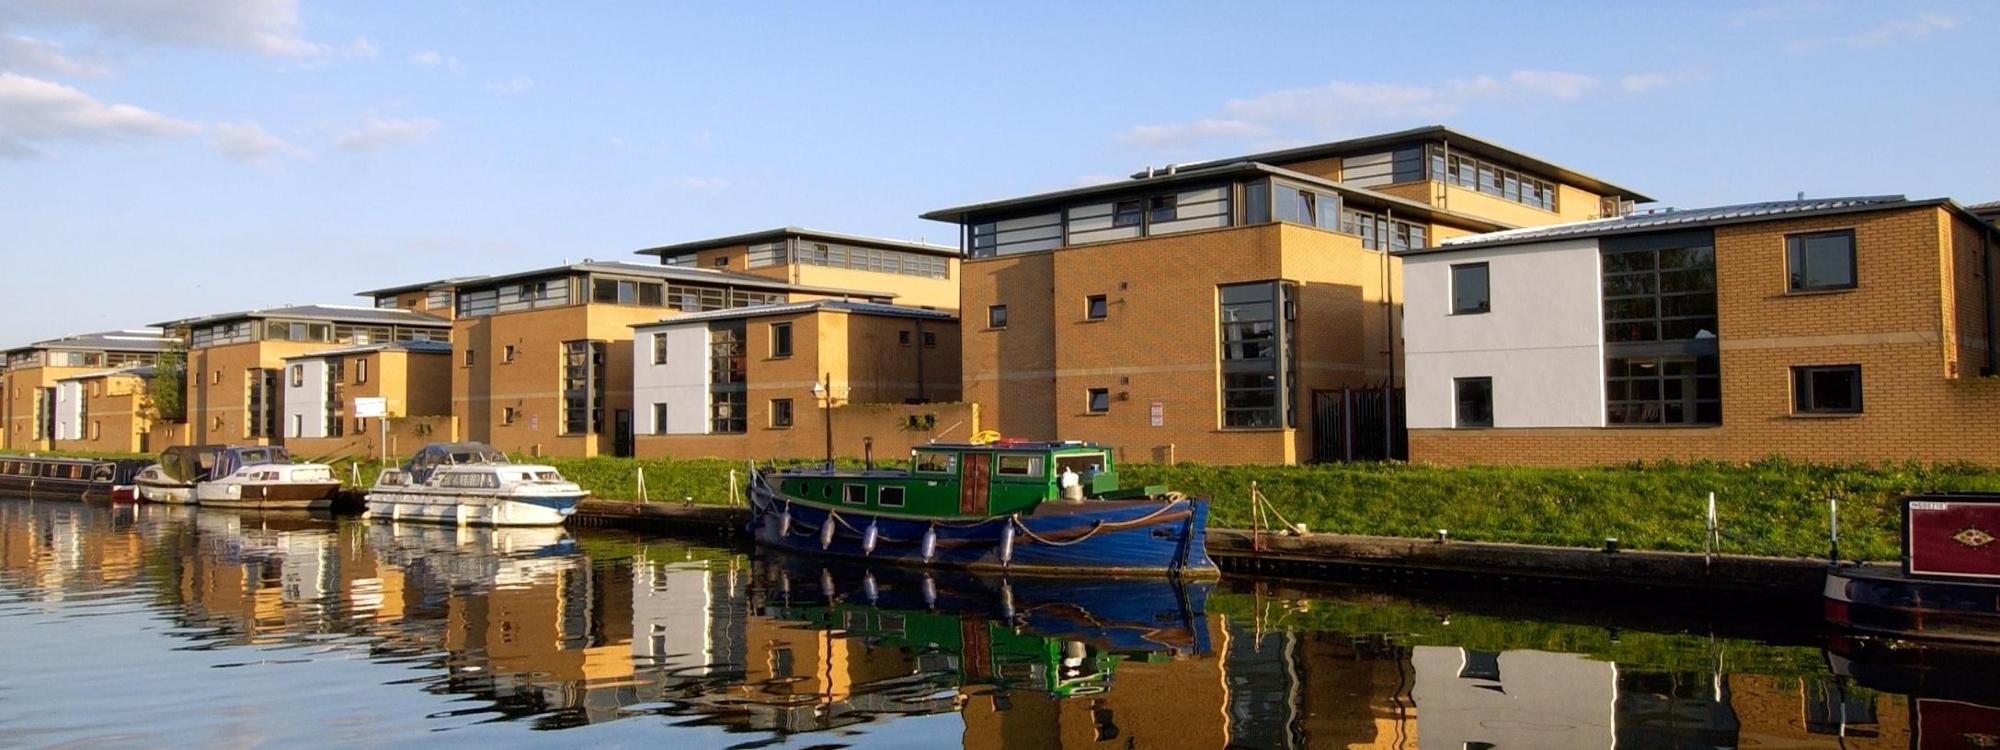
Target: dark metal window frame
{"type": "Point", "coordinates": [996, 316]}
{"type": "Point", "coordinates": [1486, 280]}
{"type": "Point", "coordinates": [1096, 307]}
{"type": "Point", "coordinates": [1458, 403]}
{"type": "Point", "coordinates": [781, 412]}
{"type": "Point", "coordinates": [1796, 264]}
{"type": "Point", "coordinates": [1805, 398]}
{"type": "Point", "coordinates": [781, 340]}
{"type": "Point", "coordinates": [1277, 362]}
{"type": "Point", "coordinates": [1091, 398]}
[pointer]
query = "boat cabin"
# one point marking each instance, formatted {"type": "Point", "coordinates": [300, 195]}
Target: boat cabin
{"type": "Point", "coordinates": [191, 463]}
{"type": "Point", "coordinates": [231, 460]}
{"type": "Point", "coordinates": [436, 455]}
{"type": "Point", "coordinates": [960, 480]}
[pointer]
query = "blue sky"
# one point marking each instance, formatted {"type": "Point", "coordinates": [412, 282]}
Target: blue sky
{"type": "Point", "coordinates": [164, 159]}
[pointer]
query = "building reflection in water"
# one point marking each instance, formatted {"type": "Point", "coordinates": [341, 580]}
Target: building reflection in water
{"type": "Point", "coordinates": [537, 626]}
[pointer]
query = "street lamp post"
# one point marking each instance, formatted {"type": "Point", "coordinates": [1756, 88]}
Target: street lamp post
{"type": "Point", "coordinates": [824, 392]}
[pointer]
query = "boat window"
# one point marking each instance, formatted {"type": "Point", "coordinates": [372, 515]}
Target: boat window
{"type": "Point", "coordinates": [826, 490]}
{"type": "Point", "coordinates": [548, 476]}
{"type": "Point", "coordinates": [1081, 463]}
{"type": "Point", "coordinates": [936, 462]}
{"type": "Point", "coordinates": [854, 494]}
{"type": "Point", "coordinates": [889, 497]}
{"type": "Point", "coordinates": [1018, 466]}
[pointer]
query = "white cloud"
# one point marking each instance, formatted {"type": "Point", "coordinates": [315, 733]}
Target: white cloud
{"type": "Point", "coordinates": [266, 27]}
{"type": "Point", "coordinates": [34, 111]}
{"type": "Point", "coordinates": [1339, 106]}
{"type": "Point", "coordinates": [431, 58]}
{"type": "Point", "coordinates": [515, 86]}
{"type": "Point", "coordinates": [248, 143]}
{"type": "Point", "coordinates": [710, 185]}
{"type": "Point", "coordinates": [1888, 32]}
{"type": "Point", "coordinates": [360, 47]}
{"type": "Point", "coordinates": [26, 53]}
{"type": "Point", "coordinates": [1642, 82]}
{"type": "Point", "coordinates": [378, 133]}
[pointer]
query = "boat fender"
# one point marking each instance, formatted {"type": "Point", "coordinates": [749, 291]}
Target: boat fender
{"type": "Point", "coordinates": [868, 539]}
{"type": "Point", "coordinates": [1007, 544]}
{"type": "Point", "coordinates": [826, 531]}
{"type": "Point", "coordinates": [930, 543]}
{"type": "Point", "coordinates": [868, 586]}
{"type": "Point", "coordinates": [930, 592]}
{"type": "Point", "coordinates": [826, 583]}
{"type": "Point", "coordinates": [1007, 601]}
{"type": "Point", "coordinates": [785, 523]}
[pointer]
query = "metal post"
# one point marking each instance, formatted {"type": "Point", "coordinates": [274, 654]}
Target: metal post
{"type": "Point", "coordinates": [1833, 528]}
{"type": "Point", "coordinates": [827, 413]}
{"type": "Point", "coordinates": [640, 479]}
{"type": "Point", "coordinates": [382, 426]}
{"type": "Point", "coordinates": [1708, 543]}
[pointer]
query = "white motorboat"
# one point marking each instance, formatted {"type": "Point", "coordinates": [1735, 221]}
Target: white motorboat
{"type": "Point", "coordinates": [473, 484]}
{"type": "Point", "coordinates": [264, 478]}
{"type": "Point", "coordinates": [181, 467]}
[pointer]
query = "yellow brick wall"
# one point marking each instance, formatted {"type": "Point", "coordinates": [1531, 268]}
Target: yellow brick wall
{"type": "Point", "coordinates": [532, 383]}
{"type": "Point", "coordinates": [1898, 324]}
{"type": "Point", "coordinates": [853, 425]}
{"type": "Point", "coordinates": [1159, 342]}
{"type": "Point", "coordinates": [217, 410]}
{"type": "Point", "coordinates": [114, 414]}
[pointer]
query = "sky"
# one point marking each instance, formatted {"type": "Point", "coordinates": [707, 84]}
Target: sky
{"type": "Point", "coordinates": [166, 158]}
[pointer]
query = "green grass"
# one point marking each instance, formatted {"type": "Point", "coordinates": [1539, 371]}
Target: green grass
{"type": "Point", "coordinates": [1772, 507]}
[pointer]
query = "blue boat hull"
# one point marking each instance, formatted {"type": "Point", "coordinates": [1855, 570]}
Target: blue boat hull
{"type": "Point", "coordinates": [1107, 537]}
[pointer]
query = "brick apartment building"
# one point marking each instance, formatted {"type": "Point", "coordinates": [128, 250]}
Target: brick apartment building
{"type": "Point", "coordinates": [33, 373]}
{"type": "Point", "coordinates": [105, 411]}
{"type": "Point", "coordinates": [1842, 329]}
{"type": "Point", "coordinates": [1216, 312]}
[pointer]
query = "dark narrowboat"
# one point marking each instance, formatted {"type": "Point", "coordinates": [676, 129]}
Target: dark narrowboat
{"type": "Point", "coordinates": [48, 476]}
{"type": "Point", "coordinates": [1948, 586]}
{"type": "Point", "coordinates": [1032, 507]}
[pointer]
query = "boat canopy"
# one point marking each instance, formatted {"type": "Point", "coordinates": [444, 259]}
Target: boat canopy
{"type": "Point", "coordinates": [450, 454]}
{"type": "Point", "coordinates": [234, 459]}
{"type": "Point", "coordinates": [190, 463]}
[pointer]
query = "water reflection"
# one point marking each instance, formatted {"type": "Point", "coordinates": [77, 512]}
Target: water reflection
{"type": "Point", "coordinates": [246, 629]}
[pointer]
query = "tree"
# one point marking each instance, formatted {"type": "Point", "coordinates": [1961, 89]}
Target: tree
{"type": "Point", "coordinates": [166, 394]}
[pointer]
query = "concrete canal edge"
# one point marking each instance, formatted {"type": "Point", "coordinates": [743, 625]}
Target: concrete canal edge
{"type": "Point", "coordinates": [1384, 559]}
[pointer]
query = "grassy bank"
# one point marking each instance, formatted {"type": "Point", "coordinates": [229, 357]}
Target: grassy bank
{"type": "Point", "coordinates": [1767, 508]}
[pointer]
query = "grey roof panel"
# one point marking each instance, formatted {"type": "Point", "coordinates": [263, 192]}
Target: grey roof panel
{"type": "Point", "coordinates": [116, 341]}
{"type": "Point", "coordinates": [675, 273]}
{"type": "Point", "coordinates": [334, 313]}
{"type": "Point", "coordinates": [1676, 218]}
{"type": "Point", "coordinates": [758, 311]}
{"type": "Point", "coordinates": [413, 347]}
{"type": "Point", "coordinates": [767, 235]}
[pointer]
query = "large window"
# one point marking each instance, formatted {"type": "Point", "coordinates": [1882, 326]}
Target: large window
{"type": "Point", "coordinates": [1474, 401]}
{"type": "Point", "coordinates": [727, 399]}
{"type": "Point", "coordinates": [1299, 204]}
{"type": "Point", "coordinates": [1257, 362]}
{"type": "Point", "coordinates": [1832, 389]}
{"type": "Point", "coordinates": [1662, 390]}
{"type": "Point", "coordinates": [1471, 292]}
{"type": "Point", "coordinates": [583, 387]}
{"type": "Point", "coordinates": [1378, 232]}
{"type": "Point", "coordinates": [260, 419]}
{"type": "Point", "coordinates": [1820, 261]}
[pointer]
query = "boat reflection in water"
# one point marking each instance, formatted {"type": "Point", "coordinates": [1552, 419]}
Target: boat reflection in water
{"type": "Point", "coordinates": [226, 628]}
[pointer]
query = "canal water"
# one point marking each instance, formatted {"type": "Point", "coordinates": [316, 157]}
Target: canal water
{"type": "Point", "coordinates": [158, 626]}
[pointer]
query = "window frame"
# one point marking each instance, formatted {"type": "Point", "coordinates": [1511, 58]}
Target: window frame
{"type": "Point", "coordinates": [1037, 469]}
{"type": "Point", "coordinates": [1096, 307]}
{"type": "Point", "coordinates": [789, 414]}
{"type": "Point", "coordinates": [1795, 258]}
{"type": "Point", "coordinates": [1458, 420]}
{"type": "Point", "coordinates": [849, 490]}
{"type": "Point", "coordinates": [1090, 400]}
{"type": "Point", "coordinates": [1803, 393]}
{"type": "Point", "coordinates": [950, 463]}
{"type": "Point", "coordinates": [996, 317]}
{"type": "Point", "coordinates": [781, 333]}
{"type": "Point", "coordinates": [882, 496]}
{"type": "Point", "coordinates": [1486, 272]}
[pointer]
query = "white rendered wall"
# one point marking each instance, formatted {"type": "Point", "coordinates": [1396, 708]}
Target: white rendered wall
{"type": "Point", "coordinates": [1541, 344]}
{"type": "Point", "coordinates": [69, 410]}
{"type": "Point", "coordinates": [681, 383]}
{"type": "Point", "coordinates": [305, 403]}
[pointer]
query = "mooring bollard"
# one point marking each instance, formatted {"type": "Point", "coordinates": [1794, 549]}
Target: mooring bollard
{"type": "Point", "coordinates": [1833, 528]}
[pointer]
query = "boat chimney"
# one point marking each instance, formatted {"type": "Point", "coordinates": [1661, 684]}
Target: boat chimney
{"type": "Point", "coordinates": [868, 453]}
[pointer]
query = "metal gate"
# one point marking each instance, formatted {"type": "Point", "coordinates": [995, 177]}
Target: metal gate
{"type": "Point", "coordinates": [1359, 424]}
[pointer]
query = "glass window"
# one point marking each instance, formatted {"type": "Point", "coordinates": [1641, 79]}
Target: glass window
{"type": "Point", "coordinates": [659, 348]}
{"type": "Point", "coordinates": [1126, 213]}
{"type": "Point", "coordinates": [1470, 289]}
{"type": "Point", "coordinates": [889, 497]}
{"type": "Point", "coordinates": [1257, 202]}
{"type": "Point", "coordinates": [1161, 208]}
{"type": "Point", "coordinates": [360, 371]}
{"type": "Point", "coordinates": [996, 316]}
{"type": "Point", "coordinates": [1834, 389]}
{"type": "Point", "coordinates": [298, 376]}
{"type": "Point", "coordinates": [781, 412]}
{"type": "Point", "coordinates": [659, 419]}
{"type": "Point", "coordinates": [1820, 260]}
{"type": "Point", "coordinates": [728, 401]}
{"type": "Point", "coordinates": [1659, 288]}
{"type": "Point", "coordinates": [1018, 465]}
{"type": "Point", "coordinates": [1258, 365]}
{"type": "Point", "coordinates": [853, 494]}
{"type": "Point", "coordinates": [1095, 307]}
{"type": "Point", "coordinates": [1475, 401]}
{"type": "Point", "coordinates": [936, 462]}
{"type": "Point", "coordinates": [930, 339]}
{"type": "Point", "coordinates": [1663, 390]}
{"type": "Point", "coordinates": [781, 339]}
{"type": "Point", "coordinates": [1100, 400]}
{"type": "Point", "coordinates": [583, 387]}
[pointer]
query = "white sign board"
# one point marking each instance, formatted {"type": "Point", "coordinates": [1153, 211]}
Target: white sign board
{"type": "Point", "coordinates": [371, 408]}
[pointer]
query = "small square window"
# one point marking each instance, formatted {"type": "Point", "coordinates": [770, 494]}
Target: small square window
{"type": "Point", "coordinates": [1470, 289]}
{"type": "Point", "coordinates": [1820, 261]}
{"type": "Point", "coordinates": [932, 462]}
{"type": "Point", "coordinates": [903, 337]}
{"type": "Point", "coordinates": [507, 415]}
{"type": "Point", "coordinates": [889, 497]}
{"type": "Point", "coordinates": [781, 412]}
{"type": "Point", "coordinates": [1834, 389]}
{"type": "Point", "coordinates": [722, 261]}
{"type": "Point", "coordinates": [1475, 401]}
{"type": "Point", "coordinates": [930, 340]}
{"type": "Point", "coordinates": [854, 494]}
{"type": "Point", "coordinates": [1096, 307]}
{"type": "Point", "coordinates": [1161, 208]}
{"type": "Point", "coordinates": [1126, 213]}
{"type": "Point", "coordinates": [996, 316]}
{"type": "Point", "coordinates": [507, 354]}
{"type": "Point", "coordinates": [781, 340]}
{"type": "Point", "coordinates": [1100, 400]}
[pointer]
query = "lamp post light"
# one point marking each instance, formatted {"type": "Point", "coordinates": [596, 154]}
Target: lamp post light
{"type": "Point", "coordinates": [824, 392]}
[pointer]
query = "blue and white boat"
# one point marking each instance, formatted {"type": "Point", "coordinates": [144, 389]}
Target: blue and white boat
{"type": "Point", "coordinates": [473, 484]}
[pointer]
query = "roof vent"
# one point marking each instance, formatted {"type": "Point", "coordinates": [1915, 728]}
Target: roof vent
{"type": "Point", "coordinates": [1150, 172]}
{"type": "Point", "coordinates": [1173, 168]}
